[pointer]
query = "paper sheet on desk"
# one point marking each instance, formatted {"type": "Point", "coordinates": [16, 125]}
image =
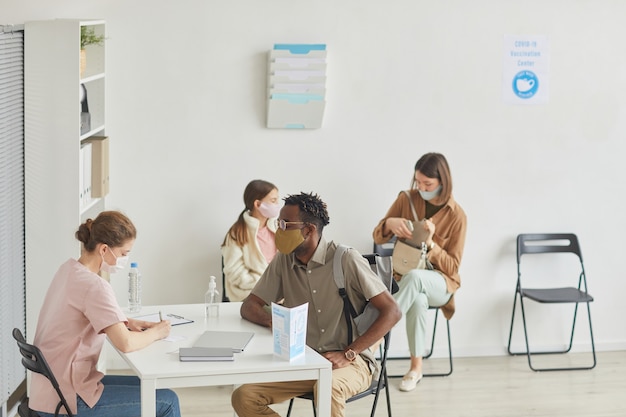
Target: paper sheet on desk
{"type": "Point", "coordinates": [172, 338]}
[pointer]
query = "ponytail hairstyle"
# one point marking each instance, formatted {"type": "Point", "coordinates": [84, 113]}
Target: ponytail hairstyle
{"type": "Point", "coordinates": [255, 190]}
{"type": "Point", "coordinates": [110, 227]}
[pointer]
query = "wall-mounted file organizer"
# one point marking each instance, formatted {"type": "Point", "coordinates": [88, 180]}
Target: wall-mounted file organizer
{"type": "Point", "coordinates": [296, 88]}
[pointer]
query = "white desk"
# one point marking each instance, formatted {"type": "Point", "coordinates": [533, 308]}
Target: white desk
{"type": "Point", "coordinates": [158, 366]}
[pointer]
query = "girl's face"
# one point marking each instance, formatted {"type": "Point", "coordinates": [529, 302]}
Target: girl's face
{"type": "Point", "coordinates": [271, 197]}
{"type": "Point", "coordinates": [425, 183]}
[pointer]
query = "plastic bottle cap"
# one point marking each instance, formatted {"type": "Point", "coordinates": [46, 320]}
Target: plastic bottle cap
{"type": "Point", "coordinates": [133, 264]}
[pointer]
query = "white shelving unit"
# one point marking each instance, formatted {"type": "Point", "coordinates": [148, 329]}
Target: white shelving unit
{"type": "Point", "coordinates": [53, 166]}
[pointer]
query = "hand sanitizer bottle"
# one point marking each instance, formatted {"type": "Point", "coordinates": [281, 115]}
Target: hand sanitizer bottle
{"type": "Point", "coordinates": [212, 299]}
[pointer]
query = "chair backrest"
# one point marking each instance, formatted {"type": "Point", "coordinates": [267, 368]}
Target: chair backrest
{"type": "Point", "coordinates": [382, 266]}
{"type": "Point", "coordinates": [533, 243]}
{"type": "Point", "coordinates": [550, 243]}
{"type": "Point", "coordinates": [34, 361]}
{"type": "Point", "coordinates": [225, 298]}
{"type": "Point", "coordinates": [385, 249]}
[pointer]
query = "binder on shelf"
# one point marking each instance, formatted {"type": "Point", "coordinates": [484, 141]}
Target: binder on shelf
{"type": "Point", "coordinates": [99, 166]}
{"type": "Point", "coordinates": [85, 174]}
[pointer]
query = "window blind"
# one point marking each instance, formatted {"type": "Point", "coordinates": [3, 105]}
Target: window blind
{"type": "Point", "coordinates": [12, 272]}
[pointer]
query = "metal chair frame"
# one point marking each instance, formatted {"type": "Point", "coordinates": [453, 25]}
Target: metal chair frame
{"type": "Point", "coordinates": [34, 361]}
{"type": "Point", "coordinates": [545, 243]}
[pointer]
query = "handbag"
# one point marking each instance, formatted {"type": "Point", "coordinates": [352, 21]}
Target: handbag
{"type": "Point", "coordinates": [410, 254]}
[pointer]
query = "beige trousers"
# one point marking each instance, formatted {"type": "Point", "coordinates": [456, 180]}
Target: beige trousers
{"type": "Point", "coordinates": [251, 400]}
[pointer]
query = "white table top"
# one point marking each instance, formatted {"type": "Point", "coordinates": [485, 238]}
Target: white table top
{"type": "Point", "coordinates": [158, 365]}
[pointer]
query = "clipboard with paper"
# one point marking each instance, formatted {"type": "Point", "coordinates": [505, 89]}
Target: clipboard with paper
{"type": "Point", "coordinates": [173, 318]}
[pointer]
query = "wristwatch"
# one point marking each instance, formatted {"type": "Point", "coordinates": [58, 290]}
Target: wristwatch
{"type": "Point", "coordinates": [350, 355]}
{"type": "Point", "coordinates": [431, 246]}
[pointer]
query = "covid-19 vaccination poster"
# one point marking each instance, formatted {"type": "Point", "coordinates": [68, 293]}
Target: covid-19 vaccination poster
{"type": "Point", "coordinates": [525, 69]}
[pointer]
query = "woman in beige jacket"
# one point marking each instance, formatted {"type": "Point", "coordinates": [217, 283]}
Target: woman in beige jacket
{"type": "Point", "coordinates": [446, 224]}
{"type": "Point", "coordinates": [249, 244]}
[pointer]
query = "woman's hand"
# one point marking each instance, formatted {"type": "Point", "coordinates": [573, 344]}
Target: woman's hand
{"type": "Point", "coordinates": [430, 227]}
{"type": "Point", "coordinates": [162, 328]}
{"type": "Point", "coordinates": [398, 226]}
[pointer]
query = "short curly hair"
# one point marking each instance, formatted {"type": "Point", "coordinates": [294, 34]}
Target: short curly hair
{"type": "Point", "coordinates": [312, 209]}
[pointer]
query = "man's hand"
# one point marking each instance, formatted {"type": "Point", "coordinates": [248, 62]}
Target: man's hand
{"type": "Point", "coordinates": [337, 358]}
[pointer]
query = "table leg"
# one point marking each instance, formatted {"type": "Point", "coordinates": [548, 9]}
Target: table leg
{"type": "Point", "coordinates": [324, 384]}
{"type": "Point", "coordinates": [148, 397]}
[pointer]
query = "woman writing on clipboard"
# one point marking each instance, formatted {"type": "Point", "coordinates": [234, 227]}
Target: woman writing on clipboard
{"type": "Point", "coordinates": [78, 313]}
{"type": "Point", "coordinates": [446, 224]}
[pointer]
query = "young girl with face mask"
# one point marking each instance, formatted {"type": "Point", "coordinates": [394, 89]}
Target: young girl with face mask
{"type": "Point", "coordinates": [445, 225]}
{"type": "Point", "coordinates": [249, 244]}
{"type": "Point", "coordinates": [79, 311]}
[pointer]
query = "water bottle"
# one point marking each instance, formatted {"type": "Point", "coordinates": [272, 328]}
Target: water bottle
{"type": "Point", "coordinates": [134, 289]}
{"type": "Point", "coordinates": [212, 299]}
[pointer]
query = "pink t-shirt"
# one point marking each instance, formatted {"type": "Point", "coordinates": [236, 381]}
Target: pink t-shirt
{"type": "Point", "coordinates": [267, 244]}
{"type": "Point", "coordinates": [78, 306]}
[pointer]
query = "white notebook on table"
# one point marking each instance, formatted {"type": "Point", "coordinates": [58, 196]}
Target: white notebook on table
{"type": "Point", "coordinates": [202, 354]}
{"type": "Point", "coordinates": [237, 341]}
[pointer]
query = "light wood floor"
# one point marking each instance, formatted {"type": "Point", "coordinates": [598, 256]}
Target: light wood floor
{"type": "Point", "coordinates": [487, 386]}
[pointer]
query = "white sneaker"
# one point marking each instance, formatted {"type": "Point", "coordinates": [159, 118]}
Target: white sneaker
{"type": "Point", "coordinates": [409, 381]}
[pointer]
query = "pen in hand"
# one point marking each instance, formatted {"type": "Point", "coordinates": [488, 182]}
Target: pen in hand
{"type": "Point", "coordinates": [160, 316]}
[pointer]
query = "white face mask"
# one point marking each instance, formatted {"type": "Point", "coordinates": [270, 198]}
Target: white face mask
{"type": "Point", "coordinates": [429, 195]}
{"type": "Point", "coordinates": [120, 264]}
{"type": "Point", "coordinates": [269, 210]}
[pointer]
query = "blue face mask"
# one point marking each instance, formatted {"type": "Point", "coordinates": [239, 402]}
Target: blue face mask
{"type": "Point", "coordinates": [429, 195]}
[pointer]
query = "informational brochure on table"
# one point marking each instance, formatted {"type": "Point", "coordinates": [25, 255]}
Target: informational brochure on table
{"type": "Point", "coordinates": [289, 330]}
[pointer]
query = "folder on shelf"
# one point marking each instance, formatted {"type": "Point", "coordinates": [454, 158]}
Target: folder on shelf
{"type": "Point", "coordinates": [99, 166]}
{"type": "Point", "coordinates": [85, 174]}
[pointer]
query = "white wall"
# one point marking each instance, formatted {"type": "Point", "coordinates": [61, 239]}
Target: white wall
{"type": "Point", "coordinates": [186, 85]}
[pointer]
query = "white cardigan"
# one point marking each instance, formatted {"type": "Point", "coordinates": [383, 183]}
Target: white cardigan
{"type": "Point", "coordinates": [243, 266]}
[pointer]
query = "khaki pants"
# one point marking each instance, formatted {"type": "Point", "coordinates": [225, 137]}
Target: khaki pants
{"type": "Point", "coordinates": [251, 400]}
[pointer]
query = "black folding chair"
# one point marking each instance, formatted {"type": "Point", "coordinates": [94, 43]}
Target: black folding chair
{"type": "Point", "coordinates": [225, 298]}
{"type": "Point", "coordinates": [382, 268]}
{"type": "Point", "coordinates": [545, 244]}
{"type": "Point", "coordinates": [34, 361]}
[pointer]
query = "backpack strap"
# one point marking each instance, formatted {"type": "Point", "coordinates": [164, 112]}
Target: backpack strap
{"type": "Point", "coordinates": [348, 309]}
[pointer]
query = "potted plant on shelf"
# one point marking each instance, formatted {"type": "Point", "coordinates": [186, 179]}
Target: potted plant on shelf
{"type": "Point", "coordinates": [88, 36]}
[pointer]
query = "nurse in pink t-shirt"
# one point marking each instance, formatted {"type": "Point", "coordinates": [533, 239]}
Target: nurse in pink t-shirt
{"type": "Point", "coordinates": [90, 313]}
